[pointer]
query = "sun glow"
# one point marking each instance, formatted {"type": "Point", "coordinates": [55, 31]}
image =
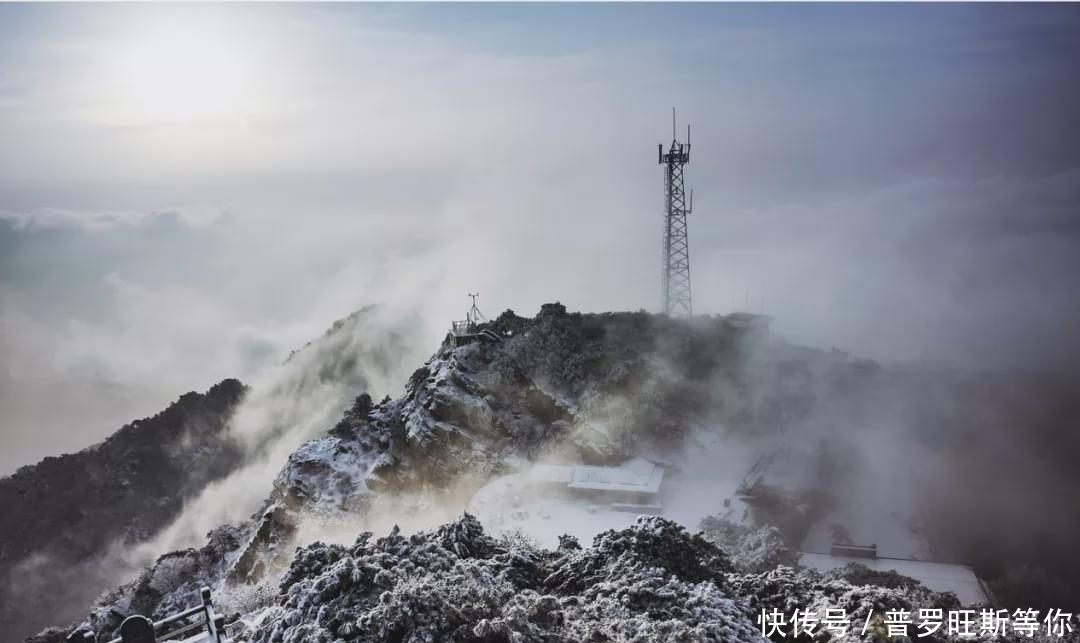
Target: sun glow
{"type": "Point", "coordinates": [179, 75]}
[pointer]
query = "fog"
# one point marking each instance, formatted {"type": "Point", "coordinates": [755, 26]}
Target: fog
{"type": "Point", "coordinates": [370, 352]}
{"type": "Point", "coordinates": [900, 182]}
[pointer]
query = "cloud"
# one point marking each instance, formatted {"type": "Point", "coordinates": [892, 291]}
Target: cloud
{"type": "Point", "coordinates": [373, 351]}
{"type": "Point", "coordinates": [902, 193]}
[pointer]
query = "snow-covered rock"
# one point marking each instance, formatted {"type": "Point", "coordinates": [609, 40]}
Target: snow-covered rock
{"type": "Point", "coordinates": [579, 389]}
{"type": "Point", "coordinates": [650, 582]}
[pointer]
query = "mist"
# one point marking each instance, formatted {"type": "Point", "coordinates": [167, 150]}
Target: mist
{"type": "Point", "coordinates": [369, 352]}
{"type": "Point", "coordinates": [411, 156]}
{"type": "Point", "coordinates": [194, 192]}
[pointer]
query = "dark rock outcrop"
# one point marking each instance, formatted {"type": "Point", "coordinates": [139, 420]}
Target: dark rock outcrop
{"type": "Point", "coordinates": [67, 511]}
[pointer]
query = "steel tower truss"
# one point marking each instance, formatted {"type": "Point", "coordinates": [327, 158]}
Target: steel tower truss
{"type": "Point", "coordinates": [676, 275]}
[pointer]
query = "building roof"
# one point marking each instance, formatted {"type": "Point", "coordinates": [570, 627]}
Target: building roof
{"type": "Point", "coordinates": [638, 476]}
{"type": "Point", "coordinates": [940, 577]}
{"type": "Point", "coordinates": [748, 320]}
{"type": "Point", "coordinates": [551, 473]}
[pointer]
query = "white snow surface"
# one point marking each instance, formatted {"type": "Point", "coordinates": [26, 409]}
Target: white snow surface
{"type": "Point", "coordinates": [329, 471]}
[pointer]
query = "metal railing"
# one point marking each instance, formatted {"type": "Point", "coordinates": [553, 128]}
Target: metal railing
{"type": "Point", "coordinates": [463, 327]}
{"type": "Point", "coordinates": [140, 629]}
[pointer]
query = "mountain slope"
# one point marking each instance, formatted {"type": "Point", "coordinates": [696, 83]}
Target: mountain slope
{"type": "Point", "coordinates": [67, 511]}
{"type": "Point", "coordinates": [88, 521]}
{"type": "Point", "coordinates": [582, 388]}
{"type": "Point", "coordinates": [592, 388]}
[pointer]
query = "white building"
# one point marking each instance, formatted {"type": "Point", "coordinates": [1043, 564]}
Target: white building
{"type": "Point", "coordinates": [843, 537]}
{"type": "Point", "coordinates": [940, 577]}
{"type": "Point", "coordinates": [635, 482]}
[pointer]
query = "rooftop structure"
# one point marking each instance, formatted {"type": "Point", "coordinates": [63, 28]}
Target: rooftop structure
{"type": "Point", "coordinates": [854, 551]}
{"type": "Point", "coordinates": [842, 537]}
{"type": "Point", "coordinates": [474, 328]}
{"type": "Point", "coordinates": [635, 483]}
{"type": "Point", "coordinates": [940, 577]}
{"type": "Point", "coordinates": [636, 476]}
{"type": "Point", "coordinates": [748, 321]}
{"type": "Point", "coordinates": [551, 474]}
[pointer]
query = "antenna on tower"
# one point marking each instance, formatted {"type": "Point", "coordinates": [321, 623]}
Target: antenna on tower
{"type": "Point", "coordinates": [676, 275]}
{"type": "Point", "coordinates": [474, 316]}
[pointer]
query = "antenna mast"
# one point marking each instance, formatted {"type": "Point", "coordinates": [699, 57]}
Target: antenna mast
{"type": "Point", "coordinates": [676, 275]}
{"type": "Point", "coordinates": [474, 316]}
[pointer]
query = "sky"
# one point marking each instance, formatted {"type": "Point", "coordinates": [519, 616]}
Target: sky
{"type": "Point", "coordinates": [190, 191]}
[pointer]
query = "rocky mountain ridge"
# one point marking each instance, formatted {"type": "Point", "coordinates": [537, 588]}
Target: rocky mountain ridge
{"type": "Point", "coordinates": [558, 385]}
{"type": "Point", "coordinates": [590, 388]}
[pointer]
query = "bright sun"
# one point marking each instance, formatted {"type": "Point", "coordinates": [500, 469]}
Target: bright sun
{"type": "Point", "coordinates": [179, 76]}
